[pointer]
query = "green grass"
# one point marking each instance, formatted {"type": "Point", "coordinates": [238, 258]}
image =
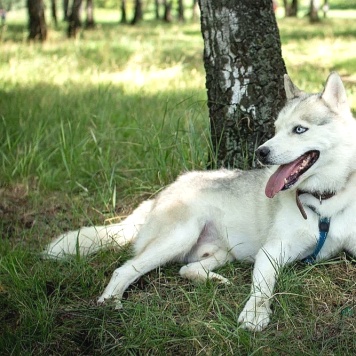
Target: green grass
{"type": "Point", "coordinates": [92, 126]}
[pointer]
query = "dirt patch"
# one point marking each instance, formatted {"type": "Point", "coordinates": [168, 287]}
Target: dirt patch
{"type": "Point", "coordinates": [28, 217]}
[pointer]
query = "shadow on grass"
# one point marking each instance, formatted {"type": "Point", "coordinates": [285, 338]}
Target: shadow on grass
{"type": "Point", "coordinates": [82, 138]}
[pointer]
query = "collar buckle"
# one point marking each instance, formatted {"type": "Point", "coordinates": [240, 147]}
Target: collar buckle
{"type": "Point", "coordinates": [324, 225]}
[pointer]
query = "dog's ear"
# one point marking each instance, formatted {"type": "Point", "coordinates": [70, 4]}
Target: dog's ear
{"type": "Point", "coordinates": [292, 91]}
{"type": "Point", "coordinates": [334, 92]}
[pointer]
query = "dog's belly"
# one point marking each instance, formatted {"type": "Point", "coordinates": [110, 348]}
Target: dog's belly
{"type": "Point", "coordinates": [243, 246]}
{"type": "Point", "coordinates": [217, 237]}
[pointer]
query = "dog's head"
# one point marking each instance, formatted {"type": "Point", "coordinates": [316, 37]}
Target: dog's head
{"type": "Point", "coordinates": [313, 132]}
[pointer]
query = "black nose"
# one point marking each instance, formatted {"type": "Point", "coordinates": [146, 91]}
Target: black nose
{"type": "Point", "coordinates": [262, 153]}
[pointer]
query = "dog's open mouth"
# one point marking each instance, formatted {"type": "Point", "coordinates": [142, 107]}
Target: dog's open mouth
{"type": "Point", "coordinates": [288, 174]}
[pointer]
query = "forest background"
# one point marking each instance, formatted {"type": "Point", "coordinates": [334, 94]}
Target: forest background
{"type": "Point", "coordinates": [91, 126]}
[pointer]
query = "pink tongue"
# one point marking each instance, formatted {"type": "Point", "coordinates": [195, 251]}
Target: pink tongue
{"type": "Point", "coordinates": [277, 180]}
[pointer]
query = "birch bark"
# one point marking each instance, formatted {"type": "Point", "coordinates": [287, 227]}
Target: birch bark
{"type": "Point", "coordinates": [244, 76]}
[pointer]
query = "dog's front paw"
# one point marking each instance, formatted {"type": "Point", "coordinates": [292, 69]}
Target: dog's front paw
{"type": "Point", "coordinates": [105, 299]}
{"type": "Point", "coordinates": [255, 315]}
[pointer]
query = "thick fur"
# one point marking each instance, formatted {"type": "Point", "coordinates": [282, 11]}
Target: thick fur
{"type": "Point", "coordinates": [205, 219]}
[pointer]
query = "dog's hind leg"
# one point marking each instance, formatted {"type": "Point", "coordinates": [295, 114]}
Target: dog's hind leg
{"type": "Point", "coordinates": [89, 240]}
{"type": "Point", "coordinates": [170, 246]}
{"type": "Point", "coordinates": [202, 270]}
{"type": "Point", "coordinates": [208, 254]}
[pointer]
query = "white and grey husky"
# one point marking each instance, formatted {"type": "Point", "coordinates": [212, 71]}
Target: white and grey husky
{"type": "Point", "coordinates": [304, 207]}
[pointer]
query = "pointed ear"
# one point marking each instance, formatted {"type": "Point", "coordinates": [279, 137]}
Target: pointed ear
{"type": "Point", "coordinates": [292, 91]}
{"type": "Point", "coordinates": [334, 92]}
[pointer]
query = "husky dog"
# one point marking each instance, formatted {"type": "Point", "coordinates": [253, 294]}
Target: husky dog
{"type": "Point", "coordinates": [303, 206]}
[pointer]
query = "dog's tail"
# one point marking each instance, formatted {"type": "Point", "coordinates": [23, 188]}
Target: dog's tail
{"type": "Point", "coordinates": [88, 240]}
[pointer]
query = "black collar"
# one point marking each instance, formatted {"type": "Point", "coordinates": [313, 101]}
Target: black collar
{"type": "Point", "coordinates": [318, 195]}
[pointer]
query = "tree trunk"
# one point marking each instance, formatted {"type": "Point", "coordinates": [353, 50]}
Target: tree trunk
{"type": "Point", "coordinates": [195, 8]}
{"type": "Point", "coordinates": [65, 10]}
{"type": "Point", "coordinates": [54, 12]}
{"type": "Point", "coordinates": [74, 22]}
{"type": "Point", "coordinates": [138, 15]}
{"type": "Point", "coordinates": [37, 22]}
{"type": "Point", "coordinates": [313, 11]}
{"type": "Point", "coordinates": [157, 3]}
{"type": "Point", "coordinates": [123, 11]}
{"type": "Point", "coordinates": [290, 9]}
{"type": "Point", "coordinates": [325, 8]}
{"type": "Point", "coordinates": [90, 23]}
{"type": "Point", "coordinates": [167, 17]}
{"type": "Point", "coordinates": [180, 11]}
{"type": "Point", "coordinates": [244, 76]}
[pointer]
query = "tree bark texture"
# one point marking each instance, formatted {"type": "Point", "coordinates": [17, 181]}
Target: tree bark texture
{"type": "Point", "coordinates": [244, 76]}
{"type": "Point", "coordinates": [37, 22]}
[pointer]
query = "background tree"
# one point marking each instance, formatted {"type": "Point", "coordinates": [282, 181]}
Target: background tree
{"type": "Point", "coordinates": [89, 22]}
{"type": "Point", "coordinates": [74, 22]}
{"type": "Point", "coordinates": [290, 8]}
{"type": "Point", "coordinates": [37, 22]}
{"type": "Point", "coordinates": [123, 11]}
{"type": "Point", "coordinates": [54, 12]}
{"type": "Point", "coordinates": [325, 8]}
{"type": "Point", "coordinates": [313, 11]}
{"type": "Point", "coordinates": [65, 10]}
{"type": "Point", "coordinates": [157, 3]}
{"type": "Point", "coordinates": [138, 14]}
{"type": "Point", "coordinates": [181, 10]}
{"type": "Point", "coordinates": [195, 9]}
{"type": "Point", "coordinates": [244, 76]}
{"type": "Point", "coordinates": [167, 16]}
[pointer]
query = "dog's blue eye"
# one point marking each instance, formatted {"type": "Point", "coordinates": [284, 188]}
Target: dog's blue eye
{"type": "Point", "coordinates": [299, 129]}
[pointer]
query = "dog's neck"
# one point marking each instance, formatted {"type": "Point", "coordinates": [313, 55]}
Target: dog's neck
{"type": "Point", "coordinates": [318, 195]}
